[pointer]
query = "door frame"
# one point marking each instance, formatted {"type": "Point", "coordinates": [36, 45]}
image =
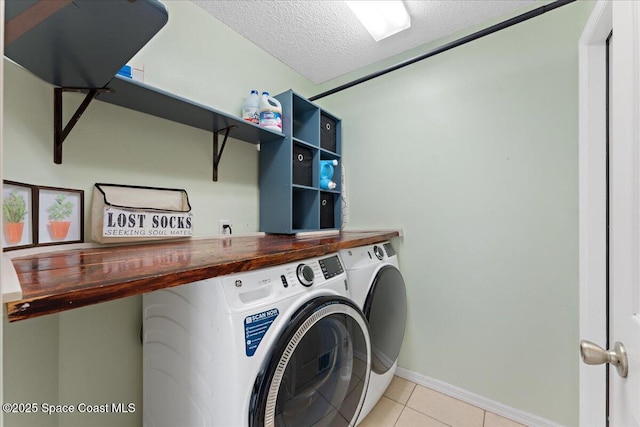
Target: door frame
{"type": "Point", "coordinates": [592, 208]}
{"type": "Point", "coordinates": [624, 322]}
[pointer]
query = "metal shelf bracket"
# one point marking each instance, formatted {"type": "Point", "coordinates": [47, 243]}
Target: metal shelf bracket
{"type": "Point", "coordinates": [217, 155]}
{"type": "Point", "coordinates": [60, 134]}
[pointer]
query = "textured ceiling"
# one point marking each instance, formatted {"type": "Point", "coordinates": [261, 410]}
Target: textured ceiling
{"type": "Point", "coordinates": [322, 39]}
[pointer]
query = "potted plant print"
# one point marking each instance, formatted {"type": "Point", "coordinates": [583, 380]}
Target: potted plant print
{"type": "Point", "coordinates": [14, 209]}
{"type": "Point", "coordinates": [59, 212]}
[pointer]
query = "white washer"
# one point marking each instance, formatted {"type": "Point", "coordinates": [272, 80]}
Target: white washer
{"type": "Point", "coordinates": [377, 287]}
{"type": "Point", "coordinates": [278, 346]}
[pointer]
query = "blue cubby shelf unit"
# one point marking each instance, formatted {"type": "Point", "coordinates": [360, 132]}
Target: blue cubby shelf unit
{"type": "Point", "coordinates": [291, 200]}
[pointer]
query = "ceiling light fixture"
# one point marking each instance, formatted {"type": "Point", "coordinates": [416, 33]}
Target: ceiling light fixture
{"type": "Point", "coordinates": [381, 18]}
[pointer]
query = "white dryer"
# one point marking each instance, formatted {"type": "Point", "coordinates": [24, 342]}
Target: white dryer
{"type": "Point", "coordinates": [281, 346]}
{"type": "Point", "coordinates": [378, 288]}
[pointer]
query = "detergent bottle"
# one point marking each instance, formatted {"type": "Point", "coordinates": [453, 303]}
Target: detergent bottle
{"type": "Point", "coordinates": [251, 108]}
{"type": "Point", "coordinates": [326, 174]}
{"type": "Point", "coordinates": [270, 112]}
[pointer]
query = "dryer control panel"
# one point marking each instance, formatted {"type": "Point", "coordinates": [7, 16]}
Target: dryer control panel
{"type": "Point", "coordinates": [365, 256]}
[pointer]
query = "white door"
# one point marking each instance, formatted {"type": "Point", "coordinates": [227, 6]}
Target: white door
{"type": "Point", "coordinates": [624, 205]}
{"type": "Point", "coordinates": [623, 270]}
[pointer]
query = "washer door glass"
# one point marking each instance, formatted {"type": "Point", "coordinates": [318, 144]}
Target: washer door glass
{"type": "Point", "coordinates": [319, 370]}
{"type": "Point", "coordinates": [386, 311]}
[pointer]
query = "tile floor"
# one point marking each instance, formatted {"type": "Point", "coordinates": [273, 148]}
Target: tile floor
{"type": "Point", "coordinates": [406, 404]}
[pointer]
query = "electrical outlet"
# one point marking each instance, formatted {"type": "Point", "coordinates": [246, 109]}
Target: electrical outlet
{"type": "Point", "coordinates": [224, 226]}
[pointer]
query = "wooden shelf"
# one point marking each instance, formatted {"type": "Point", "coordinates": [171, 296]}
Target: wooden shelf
{"type": "Point", "coordinates": [62, 280]}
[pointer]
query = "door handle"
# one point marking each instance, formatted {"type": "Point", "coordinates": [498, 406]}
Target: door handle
{"type": "Point", "coordinates": [593, 354]}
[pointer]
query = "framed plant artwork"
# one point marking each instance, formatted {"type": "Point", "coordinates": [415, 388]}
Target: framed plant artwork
{"type": "Point", "coordinates": [18, 215]}
{"type": "Point", "coordinates": [60, 216]}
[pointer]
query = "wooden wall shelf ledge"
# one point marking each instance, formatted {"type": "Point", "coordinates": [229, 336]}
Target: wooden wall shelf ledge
{"type": "Point", "coordinates": [60, 280]}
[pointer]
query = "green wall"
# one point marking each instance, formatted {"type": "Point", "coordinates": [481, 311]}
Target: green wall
{"type": "Point", "coordinates": [474, 154]}
{"type": "Point", "coordinates": [30, 368]}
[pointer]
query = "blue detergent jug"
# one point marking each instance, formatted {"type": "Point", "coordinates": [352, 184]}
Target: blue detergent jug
{"type": "Point", "coordinates": [326, 174]}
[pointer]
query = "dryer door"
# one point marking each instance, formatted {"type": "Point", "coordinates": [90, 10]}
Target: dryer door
{"type": "Point", "coordinates": [318, 371]}
{"type": "Point", "coordinates": [386, 311]}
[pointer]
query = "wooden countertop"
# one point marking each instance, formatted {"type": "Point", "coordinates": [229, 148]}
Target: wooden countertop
{"type": "Point", "coordinates": [52, 282]}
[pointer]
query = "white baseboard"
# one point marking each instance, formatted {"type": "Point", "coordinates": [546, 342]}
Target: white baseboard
{"type": "Point", "coordinates": [505, 411]}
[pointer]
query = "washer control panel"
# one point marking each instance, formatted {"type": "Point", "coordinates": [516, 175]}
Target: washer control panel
{"type": "Point", "coordinates": [274, 283]}
{"type": "Point", "coordinates": [331, 266]}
